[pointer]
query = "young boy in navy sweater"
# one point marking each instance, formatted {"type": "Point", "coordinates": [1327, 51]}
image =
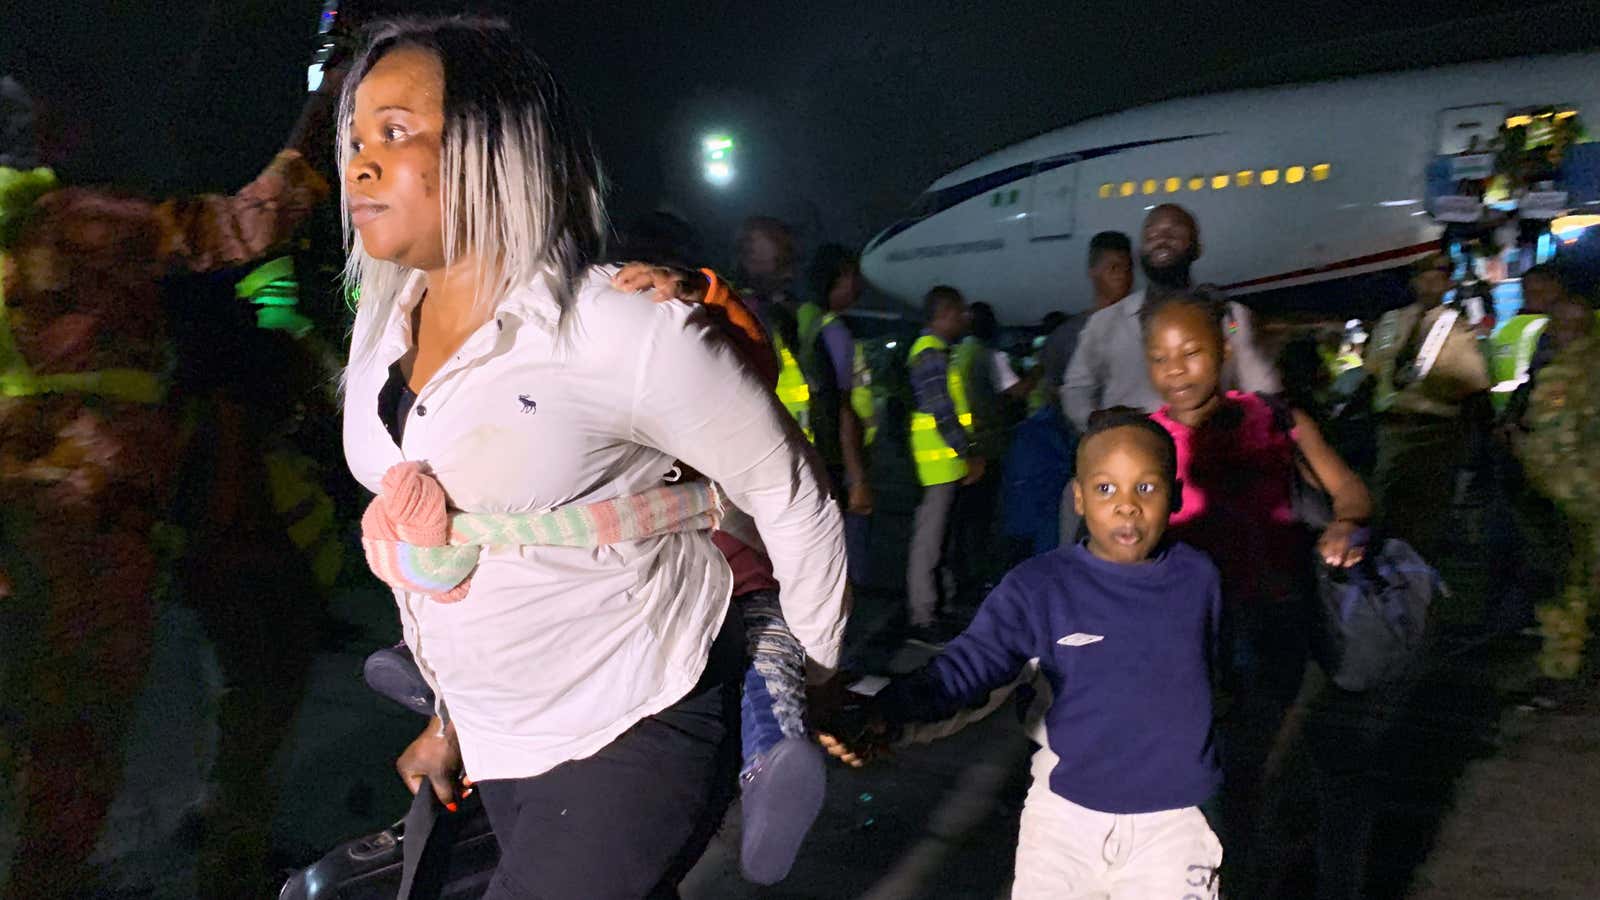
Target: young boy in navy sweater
{"type": "Point", "coordinates": [1122, 627]}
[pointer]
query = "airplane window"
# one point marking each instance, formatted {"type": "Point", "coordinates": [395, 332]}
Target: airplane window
{"type": "Point", "coordinates": [1196, 183]}
{"type": "Point", "coordinates": [1105, 190]}
{"type": "Point", "coordinates": [1320, 172]}
{"type": "Point", "coordinates": [1524, 119]}
{"type": "Point", "coordinates": [1149, 185]}
{"type": "Point", "coordinates": [1269, 176]}
{"type": "Point", "coordinates": [1294, 174]}
{"type": "Point", "coordinates": [1173, 184]}
{"type": "Point", "coordinates": [1127, 189]}
{"type": "Point", "coordinates": [1245, 178]}
{"type": "Point", "coordinates": [1218, 182]}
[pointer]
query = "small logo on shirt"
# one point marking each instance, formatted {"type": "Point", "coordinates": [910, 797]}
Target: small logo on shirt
{"type": "Point", "coordinates": [1079, 639]}
{"type": "Point", "coordinates": [528, 406]}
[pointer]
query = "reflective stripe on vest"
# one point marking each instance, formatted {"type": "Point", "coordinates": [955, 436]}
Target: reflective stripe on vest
{"type": "Point", "coordinates": [860, 379]}
{"type": "Point", "coordinates": [1511, 354]}
{"type": "Point", "coordinates": [793, 392]}
{"type": "Point", "coordinates": [937, 462]}
{"type": "Point", "coordinates": [17, 379]}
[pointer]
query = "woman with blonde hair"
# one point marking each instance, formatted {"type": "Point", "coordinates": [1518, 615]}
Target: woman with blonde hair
{"type": "Point", "coordinates": [584, 689]}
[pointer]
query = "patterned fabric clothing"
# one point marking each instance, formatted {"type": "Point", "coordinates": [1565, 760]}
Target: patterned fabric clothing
{"type": "Point", "coordinates": [82, 481]}
{"type": "Point", "coordinates": [1563, 424]}
{"type": "Point", "coordinates": [774, 704]}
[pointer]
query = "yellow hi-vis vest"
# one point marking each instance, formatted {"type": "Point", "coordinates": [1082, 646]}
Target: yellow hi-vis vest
{"type": "Point", "coordinates": [793, 391]}
{"type": "Point", "coordinates": [860, 379]}
{"type": "Point", "coordinates": [937, 462]}
{"type": "Point", "coordinates": [1511, 354]}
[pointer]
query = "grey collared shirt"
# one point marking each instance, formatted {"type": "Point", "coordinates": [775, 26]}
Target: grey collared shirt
{"type": "Point", "coordinates": [1108, 368]}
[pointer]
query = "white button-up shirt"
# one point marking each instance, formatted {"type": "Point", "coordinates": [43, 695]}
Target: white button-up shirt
{"type": "Point", "coordinates": [556, 651]}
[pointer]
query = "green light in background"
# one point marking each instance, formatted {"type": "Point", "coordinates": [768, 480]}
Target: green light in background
{"type": "Point", "coordinates": [273, 289]}
{"type": "Point", "coordinates": [717, 157]}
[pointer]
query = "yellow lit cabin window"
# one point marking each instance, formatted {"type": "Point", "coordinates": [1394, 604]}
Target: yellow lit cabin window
{"type": "Point", "coordinates": [1320, 172]}
{"type": "Point", "coordinates": [1245, 178]}
{"type": "Point", "coordinates": [1522, 120]}
{"type": "Point", "coordinates": [1105, 190]}
{"type": "Point", "coordinates": [1294, 174]}
{"type": "Point", "coordinates": [1127, 189]}
{"type": "Point", "coordinates": [1218, 182]}
{"type": "Point", "coordinates": [1269, 176]}
{"type": "Point", "coordinates": [1173, 185]}
{"type": "Point", "coordinates": [1149, 186]}
{"type": "Point", "coordinates": [1196, 183]}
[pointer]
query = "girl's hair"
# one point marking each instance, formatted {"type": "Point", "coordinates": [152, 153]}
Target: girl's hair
{"type": "Point", "coordinates": [520, 183]}
{"type": "Point", "coordinates": [1103, 420]}
{"type": "Point", "coordinates": [1207, 298]}
{"type": "Point", "coordinates": [828, 265]}
{"type": "Point", "coordinates": [984, 325]}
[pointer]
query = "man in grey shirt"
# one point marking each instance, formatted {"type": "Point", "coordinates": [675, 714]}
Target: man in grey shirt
{"type": "Point", "coordinates": [1111, 275]}
{"type": "Point", "coordinates": [1108, 368]}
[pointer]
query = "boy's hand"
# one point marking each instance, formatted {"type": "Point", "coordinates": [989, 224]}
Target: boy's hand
{"type": "Point", "coordinates": [871, 744]}
{"type": "Point", "coordinates": [668, 284]}
{"type": "Point", "coordinates": [839, 751]}
{"type": "Point", "coordinates": [846, 724]}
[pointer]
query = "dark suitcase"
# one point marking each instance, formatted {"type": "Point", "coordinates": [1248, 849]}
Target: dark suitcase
{"type": "Point", "coordinates": [458, 852]}
{"type": "Point", "coordinates": [369, 868]}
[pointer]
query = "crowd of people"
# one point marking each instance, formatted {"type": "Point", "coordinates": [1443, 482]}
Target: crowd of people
{"type": "Point", "coordinates": [1120, 523]}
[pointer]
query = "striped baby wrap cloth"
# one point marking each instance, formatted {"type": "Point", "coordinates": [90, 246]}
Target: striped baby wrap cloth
{"type": "Point", "coordinates": [414, 543]}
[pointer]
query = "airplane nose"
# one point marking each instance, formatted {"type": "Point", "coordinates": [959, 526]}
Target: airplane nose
{"type": "Point", "coordinates": [873, 264]}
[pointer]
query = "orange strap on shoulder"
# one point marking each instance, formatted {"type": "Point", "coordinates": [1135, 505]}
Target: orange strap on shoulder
{"type": "Point", "coordinates": [746, 331]}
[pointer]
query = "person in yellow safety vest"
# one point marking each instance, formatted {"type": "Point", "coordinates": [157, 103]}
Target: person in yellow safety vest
{"type": "Point", "coordinates": [994, 394]}
{"type": "Point", "coordinates": [838, 364]}
{"type": "Point", "coordinates": [1554, 313]}
{"type": "Point", "coordinates": [1514, 345]}
{"type": "Point", "coordinates": [941, 447]}
{"type": "Point", "coordinates": [89, 459]}
{"type": "Point", "coordinates": [765, 253]}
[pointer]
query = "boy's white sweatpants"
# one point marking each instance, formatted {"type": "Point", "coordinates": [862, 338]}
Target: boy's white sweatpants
{"type": "Point", "coordinates": [1068, 852]}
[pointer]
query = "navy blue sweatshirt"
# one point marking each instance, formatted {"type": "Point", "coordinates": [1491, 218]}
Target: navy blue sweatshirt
{"type": "Point", "coordinates": [1127, 650]}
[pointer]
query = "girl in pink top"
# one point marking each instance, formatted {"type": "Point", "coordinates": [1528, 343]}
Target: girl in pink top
{"type": "Point", "coordinates": [1237, 458]}
{"type": "Point", "coordinates": [1236, 461]}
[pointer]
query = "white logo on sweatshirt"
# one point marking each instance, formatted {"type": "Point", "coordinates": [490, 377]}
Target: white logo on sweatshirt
{"type": "Point", "coordinates": [1078, 639]}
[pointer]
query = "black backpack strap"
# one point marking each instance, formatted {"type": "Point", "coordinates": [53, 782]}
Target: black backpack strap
{"type": "Point", "coordinates": [1282, 413]}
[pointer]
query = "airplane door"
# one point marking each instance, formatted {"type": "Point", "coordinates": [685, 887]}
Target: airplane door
{"type": "Point", "coordinates": [1465, 127]}
{"type": "Point", "coordinates": [1053, 193]}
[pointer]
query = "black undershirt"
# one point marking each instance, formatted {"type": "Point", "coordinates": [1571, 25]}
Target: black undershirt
{"type": "Point", "coordinates": [395, 400]}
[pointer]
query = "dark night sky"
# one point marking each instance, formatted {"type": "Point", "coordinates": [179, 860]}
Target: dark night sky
{"type": "Point", "coordinates": [844, 109]}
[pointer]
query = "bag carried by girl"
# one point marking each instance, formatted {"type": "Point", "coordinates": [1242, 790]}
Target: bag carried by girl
{"type": "Point", "coordinates": [1369, 620]}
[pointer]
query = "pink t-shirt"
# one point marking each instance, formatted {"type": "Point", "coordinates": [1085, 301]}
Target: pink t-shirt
{"type": "Point", "coordinates": [1238, 475]}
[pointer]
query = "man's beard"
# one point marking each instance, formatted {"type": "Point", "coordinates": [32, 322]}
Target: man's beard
{"type": "Point", "coordinates": [1172, 275]}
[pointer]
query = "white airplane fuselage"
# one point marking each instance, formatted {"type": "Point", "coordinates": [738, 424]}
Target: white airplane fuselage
{"type": "Point", "coordinates": [1293, 187]}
